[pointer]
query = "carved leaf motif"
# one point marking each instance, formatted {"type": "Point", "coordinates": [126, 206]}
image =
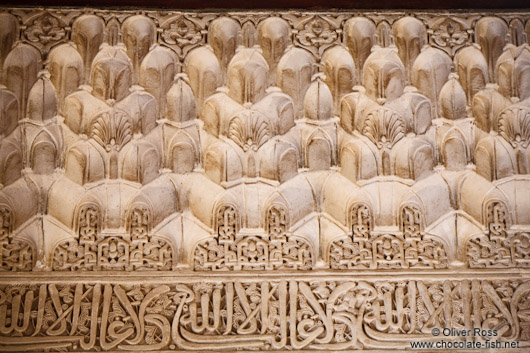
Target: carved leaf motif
{"type": "Point", "coordinates": [112, 130]}
{"type": "Point", "coordinates": [383, 127]}
{"type": "Point", "coordinates": [49, 315]}
{"type": "Point", "coordinates": [249, 130]}
{"type": "Point", "coordinates": [45, 31]}
{"type": "Point", "coordinates": [117, 311]}
{"type": "Point", "coordinates": [514, 126]}
{"type": "Point", "coordinates": [449, 34]}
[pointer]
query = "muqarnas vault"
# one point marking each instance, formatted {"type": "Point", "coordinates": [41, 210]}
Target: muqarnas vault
{"type": "Point", "coordinates": [265, 181]}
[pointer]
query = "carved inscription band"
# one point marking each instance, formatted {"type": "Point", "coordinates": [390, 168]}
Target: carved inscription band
{"type": "Point", "coordinates": [282, 314]}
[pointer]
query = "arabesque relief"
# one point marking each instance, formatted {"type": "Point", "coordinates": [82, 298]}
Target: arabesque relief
{"type": "Point", "coordinates": [274, 314]}
{"type": "Point", "coordinates": [262, 180]}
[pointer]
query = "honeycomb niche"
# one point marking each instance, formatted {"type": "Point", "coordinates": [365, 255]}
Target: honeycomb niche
{"type": "Point", "coordinates": [264, 181]}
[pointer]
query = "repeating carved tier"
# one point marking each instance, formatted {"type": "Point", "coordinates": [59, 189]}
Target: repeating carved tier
{"type": "Point", "coordinates": [214, 124]}
{"type": "Point", "coordinates": [247, 144]}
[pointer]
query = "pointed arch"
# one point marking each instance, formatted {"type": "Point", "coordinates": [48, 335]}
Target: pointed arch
{"type": "Point", "coordinates": [44, 154]}
{"type": "Point", "coordinates": [319, 151]}
{"type": "Point", "coordinates": [455, 153]}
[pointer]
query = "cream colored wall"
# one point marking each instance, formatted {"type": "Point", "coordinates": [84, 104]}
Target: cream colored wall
{"type": "Point", "coordinates": [309, 148]}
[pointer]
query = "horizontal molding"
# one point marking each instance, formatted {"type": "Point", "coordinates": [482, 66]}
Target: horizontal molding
{"type": "Point", "coordinates": [286, 4]}
{"type": "Point", "coordinates": [188, 276]}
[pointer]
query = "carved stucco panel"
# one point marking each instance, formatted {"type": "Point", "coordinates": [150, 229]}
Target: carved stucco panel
{"type": "Point", "coordinates": [319, 181]}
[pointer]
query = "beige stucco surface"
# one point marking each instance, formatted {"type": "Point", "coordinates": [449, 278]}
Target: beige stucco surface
{"type": "Point", "coordinates": [327, 181]}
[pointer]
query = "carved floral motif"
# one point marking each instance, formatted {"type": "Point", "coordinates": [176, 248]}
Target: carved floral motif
{"type": "Point", "coordinates": [450, 34]}
{"type": "Point", "coordinates": [46, 30]}
{"type": "Point", "coordinates": [316, 33]}
{"type": "Point", "coordinates": [183, 33]}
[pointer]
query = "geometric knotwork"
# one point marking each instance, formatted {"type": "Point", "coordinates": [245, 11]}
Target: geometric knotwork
{"type": "Point", "coordinates": [498, 248]}
{"type": "Point", "coordinates": [15, 254]}
{"type": "Point", "coordinates": [94, 250]}
{"type": "Point", "coordinates": [274, 250]}
{"type": "Point", "coordinates": [366, 249]}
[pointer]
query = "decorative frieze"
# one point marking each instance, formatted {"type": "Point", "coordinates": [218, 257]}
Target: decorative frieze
{"type": "Point", "coordinates": [260, 314]}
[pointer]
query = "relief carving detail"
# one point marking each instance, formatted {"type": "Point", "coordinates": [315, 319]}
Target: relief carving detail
{"type": "Point", "coordinates": [271, 180]}
{"type": "Point", "coordinates": [263, 315]}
